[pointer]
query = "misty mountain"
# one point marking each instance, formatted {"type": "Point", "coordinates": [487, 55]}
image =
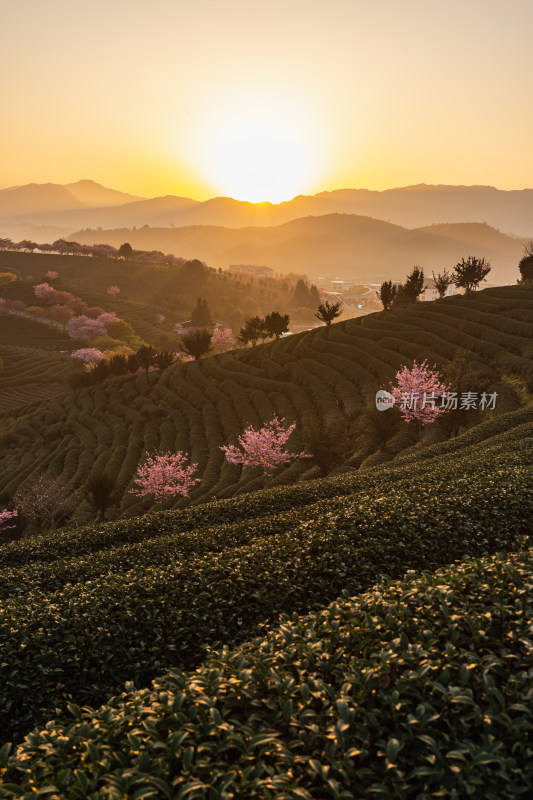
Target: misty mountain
{"type": "Point", "coordinates": [92, 194]}
{"type": "Point", "coordinates": [341, 244]}
{"type": "Point", "coordinates": [86, 204]}
{"type": "Point", "coordinates": [40, 203]}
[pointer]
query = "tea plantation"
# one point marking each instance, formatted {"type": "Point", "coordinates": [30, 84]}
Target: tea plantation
{"type": "Point", "coordinates": [320, 374]}
{"type": "Point", "coordinates": [363, 635]}
{"type": "Point", "coordinates": [405, 690]}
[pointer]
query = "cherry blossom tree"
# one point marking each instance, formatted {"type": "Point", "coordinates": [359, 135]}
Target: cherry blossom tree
{"type": "Point", "coordinates": [5, 517]}
{"type": "Point", "coordinates": [113, 291]}
{"type": "Point", "coordinates": [165, 475]}
{"type": "Point", "coordinates": [85, 328]}
{"type": "Point", "coordinates": [222, 337]}
{"type": "Point", "coordinates": [52, 275]}
{"type": "Point", "coordinates": [417, 392]}
{"type": "Point", "coordinates": [263, 447]}
{"type": "Point", "coordinates": [87, 355]}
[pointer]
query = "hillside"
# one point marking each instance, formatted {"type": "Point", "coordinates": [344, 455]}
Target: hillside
{"type": "Point", "coordinates": [343, 244]}
{"type": "Point", "coordinates": [83, 612]}
{"type": "Point", "coordinates": [318, 375]}
{"type": "Point", "coordinates": [148, 290]}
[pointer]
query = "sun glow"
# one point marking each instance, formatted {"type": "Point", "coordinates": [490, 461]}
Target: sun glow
{"type": "Point", "coordinates": [258, 149]}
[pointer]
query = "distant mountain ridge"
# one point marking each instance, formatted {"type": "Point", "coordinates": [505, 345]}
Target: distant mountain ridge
{"type": "Point", "coordinates": [86, 204]}
{"type": "Point", "coordinates": [342, 244]}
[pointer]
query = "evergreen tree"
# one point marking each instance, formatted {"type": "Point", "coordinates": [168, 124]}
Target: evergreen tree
{"type": "Point", "coordinates": [201, 316]}
{"type": "Point", "coordinates": [314, 296]}
{"type": "Point", "coordinates": [410, 291]}
{"type": "Point", "coordinates": [300, 296]}
{"type": "Point", "coordinates": [275, 324]}
{"type": "Point", "coordinates": [251, 331]}
{"type": "Point", "coordinates": [387, 294]}
{"type": "Point", "coordinates": [100, 492]}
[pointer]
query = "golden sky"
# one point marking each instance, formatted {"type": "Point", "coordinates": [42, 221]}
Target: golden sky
{"type": "Point", "coordinates": [266, 100]}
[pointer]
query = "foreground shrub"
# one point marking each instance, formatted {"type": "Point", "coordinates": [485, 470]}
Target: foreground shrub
{"type": "Point", "coordinates": [83, 641]}
{"type": "Point", "coordinates": [416, 689]}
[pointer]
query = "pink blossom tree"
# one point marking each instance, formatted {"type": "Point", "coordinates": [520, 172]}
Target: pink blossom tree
{"type": "Point", "coordinates": [43, 291]}
{"type": "Point", "coordinates": [85, 328]}
{"type": "Point", "coordinates": [113, 291]}
{"type": "Point", "coordinates": [222, 337]}
{"type": "Point", "coordinates": [5, 517]}
{"type": "Point", "coordinates": [87, 355]}
{"type": "Point", "coordinates": [263, 447]}
{"type": "Point", "coordinates": [416, 393]}
{"type": "Point", "coordinates": [52, 275]}
{"type": "Point", "coordinates": [165, 475]}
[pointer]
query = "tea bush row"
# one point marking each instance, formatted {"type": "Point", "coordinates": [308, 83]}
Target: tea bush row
{"type": "Point", "coordinates": [419, 688]}
{"type": "Point", "coordinates": [468, 452]}
{"type": "Point", "coordinates": [82, 642]}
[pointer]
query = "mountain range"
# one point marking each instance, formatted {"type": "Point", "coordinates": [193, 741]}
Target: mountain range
{"type": "Point", "coordinates": [348, 230]}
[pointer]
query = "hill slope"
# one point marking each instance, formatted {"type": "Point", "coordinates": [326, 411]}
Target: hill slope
{"type": "Point", "coordinates": [200, 406]}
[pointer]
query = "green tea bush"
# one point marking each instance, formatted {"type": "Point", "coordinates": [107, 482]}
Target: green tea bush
{"type": "Point", "coordinates": [84, 640]}
{"type": "Point", "coordinates": [417, 688]}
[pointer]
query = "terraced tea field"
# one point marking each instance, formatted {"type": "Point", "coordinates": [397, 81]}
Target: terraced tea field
{"type": "Point", "coordinates": [198, 407]}
{"type": "Point", "coordinates": [427, 659]}
{"type": "Point", "coordinates": [35, 362]}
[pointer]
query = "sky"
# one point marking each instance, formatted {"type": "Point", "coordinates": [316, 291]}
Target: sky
{"type": "Point", "coordinates": [266, 100]}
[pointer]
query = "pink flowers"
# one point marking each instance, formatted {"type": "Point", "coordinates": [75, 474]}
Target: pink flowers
{"type": "Point", "coordinates": [165, 475]}
{"type": "Point", "coordinates": [222, 337]}
{"type": "Point", "coordinates": [43, 291]}
{"type": "Point", "coordinates": [113, 291]}
{"type": "Point", "coordinates": [5, 516]}
{"type": "Point", "coordinates": [85, 328]}
{"type": "Point", "coordinates": [263, 447]}
{"type": "Point", "coordinates": [52, 275]}
{"type": "Point", "coordinates": [88, 355]}
{"type": "Point", "coordinates": [417, 392]}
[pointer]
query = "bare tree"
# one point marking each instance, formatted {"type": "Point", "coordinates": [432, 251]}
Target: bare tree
{"type": "Point", "coordinates": [46, 499]}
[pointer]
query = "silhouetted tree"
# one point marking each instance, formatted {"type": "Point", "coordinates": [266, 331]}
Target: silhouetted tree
{"type": "Point", "coordinates": [526, 264]}
{"type": "Point", "coordinates": [378, 427]}
{"type": "Point", "coordinates": [327, 311]}
{"type": "Point", "coordinates": [329, 443]}
{"type": "Point", "coordinates": [275, 324]}
{"type": "Point", "coordinates": [197, 343]}
{"type": "Point", "coordinates": [300, 296]}
{"type": "Point", "coordinates": [100, 492]}
{"type": "Point", "coordinates": [201, 316]}
{"type": "Point", "coordinates": [410, 291]}
{"type": "Point", "coordinates": [442, 281]}
{"type": "Point", "coordinates": [251, 331]}
{"type": "Point", "coordinates": [125, 250]}
{"type": "Point", "coordinates": [164, 359]}
{"type": "Point", "coordinates": [146, 356]}
{"type": "Point", "coordinates": [117, 364]}
{"type": "Point", "coordinates": [314, 296]}
{"type": "Point", "coordinates": [469, 274]}
{"type": "Point", "coordinates": [386, 294]}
